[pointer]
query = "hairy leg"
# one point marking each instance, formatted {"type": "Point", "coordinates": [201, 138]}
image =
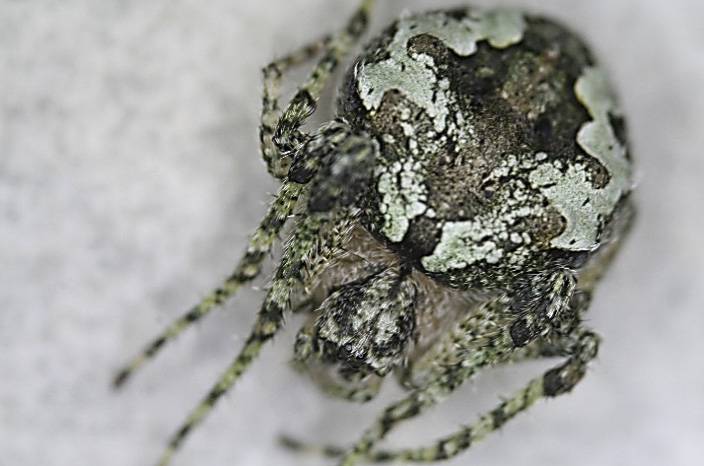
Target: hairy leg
{"type": "Point", "coordinates": [272, 76]}
{"type": "Point", "coordinates": [332, 141]}
{"type": "Point", "coordinates": [462, 357]}
{"type": "Point", "coordinates": [287, 136]}
{"type": "Point", "coordinates": [247, 269]}
{"type": "Point", "coordinates": [318, 237]}
{"type": "Point", "coordinates": [482, 339]}
{"type": "Point", "coordinates": [533, 351]}
{"type": "Point", "coordinates": [439, 371]}
{"type": "Point", "coordinates": [580, 348]}
{"type": "Point", "coordinates": [261, 242]}
{"type": "Point", "coordinates": [469, 335]}
{"type": "Point", "coordinates": [297, 269]}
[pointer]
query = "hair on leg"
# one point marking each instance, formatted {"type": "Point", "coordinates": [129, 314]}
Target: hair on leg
{"type": "Point", "coordinates": [582, 347]}
{"type": "Point", "coordinates": [287, 136]}
{"type": "Point", "coordinates": [272, 75]}
{"type": "Point", "coordinates": [301, 258]}
{"type": "Point", "coordinates": [462, 358]}
{"type": "Point", "coordinates": [247, 269]}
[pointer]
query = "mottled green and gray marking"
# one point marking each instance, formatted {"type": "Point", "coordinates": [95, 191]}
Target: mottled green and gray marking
{"type": "Point", "coordinates": [465, 242]}
{"type": "Point", "coordinates": [415, 75]}
{"type": "Point", "coordinates": [573, 194]}
{"type": "Point", "coordinates": [403, 197]}
{"type": "Point", "coordinates": [567, 186]}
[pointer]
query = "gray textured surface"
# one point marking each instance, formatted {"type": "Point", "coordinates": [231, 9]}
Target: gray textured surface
{"type": "Point", "coordinates": [129, 178]}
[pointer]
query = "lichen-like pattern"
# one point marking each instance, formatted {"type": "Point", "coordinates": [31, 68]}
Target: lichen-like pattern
{"type": "Point", "coordinates": [455, 215]}
{"type": "Point", "coordinates": [585, 207]}
{"type": "Point", "coordinates": [466, 242]}
{"type": "Point", "coordinates": [465, 103]}
{"type": "Point", "coordinates": [415, 75]}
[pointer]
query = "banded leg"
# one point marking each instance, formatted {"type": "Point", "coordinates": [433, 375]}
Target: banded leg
{"type": "Point", "coordinates": [580, 348]}
{"type": "Point", "coordinates": [272, 75]}
{"type": "Point", "coordinates": [536, 350]}
{"type": "Point", "coordinates": [332, 139]}
{"type": "Point", "coordinates": [462, 358]}
{"type": "Point", "coordinates": [583, 348]}
{"type": "Point", "coordinates": [247, 270]}
{"type": "Point", "coordinates": [298, 267]}
{"type": "Point", "coordinates": [472, 334]}
{"type": "Point", "coordinates": [429, 377]}
{"type": "Point", "coordinates": [452, 373]}
{"type": "Point", "coordinates": [287, 136]}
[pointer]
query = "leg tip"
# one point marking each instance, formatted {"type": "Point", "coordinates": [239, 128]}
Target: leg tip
{"type": "Point", "coordinates": [290, 443]}
{"type": "Point", "coordinates": [120, 378]}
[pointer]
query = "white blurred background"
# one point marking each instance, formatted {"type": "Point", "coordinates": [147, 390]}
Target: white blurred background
{"type": "Point", "coordinates": [130, 178]}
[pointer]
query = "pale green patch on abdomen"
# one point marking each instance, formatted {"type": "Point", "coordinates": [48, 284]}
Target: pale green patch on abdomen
{"type": "Point", "coordinates": [403, 198]}
{"type": "Point", "coordinates": [585, 207]}
{"type": "Point", "coordinates": [414, 75]}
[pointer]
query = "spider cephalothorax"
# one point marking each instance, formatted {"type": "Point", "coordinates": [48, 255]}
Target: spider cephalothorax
{"type": "Point", "coordinates": [456, 215]}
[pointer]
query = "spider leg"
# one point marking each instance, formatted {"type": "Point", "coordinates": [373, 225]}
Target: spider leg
{"type": "Point", "coordinates": [533, 351]}
{"type": "Point", "coordinates": [287, 136]}
{"type": "Point", "coordinates": [297, 269]}
{"type": "Point", "coordinates": [262, 240]}
{"type": "Point", "coordinates": [449, 375]}
{"type": "Point", "coordinates": [272, 75]}
{"type": "Point", "coordinates": [482, 339]}
{"type": "Point", "coordinates": [469, 336]}
{"type": "Point", "coordinates": [564, 338]}
{"type": "Point", "coordinates": [320, 235]}
{"type": "Point", "coordinates": [359, 387]}
{"type": "Point", "coordinates": [331, 140]}
{"type": "Point", "coordinates": [247, 269]}
{"type": "Point", "coordinates": [463, 356]}
{"type": "Point", "coordinates": [580, 347]}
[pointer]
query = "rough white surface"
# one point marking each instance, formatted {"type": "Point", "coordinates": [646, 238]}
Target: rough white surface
{"type": "Point", "coordinates": [129, 178]}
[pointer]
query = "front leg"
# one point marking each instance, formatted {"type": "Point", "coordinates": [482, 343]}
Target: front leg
{"type": "Point", "coordinates": [581, 347]}
{"type": "Point", "coordinates": [461, 357]}
{"type": "Point", "coordinates": [313, 238]}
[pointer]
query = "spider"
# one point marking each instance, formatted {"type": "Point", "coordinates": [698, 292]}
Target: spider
{"type": "Point", "coordinates": [457, 214]}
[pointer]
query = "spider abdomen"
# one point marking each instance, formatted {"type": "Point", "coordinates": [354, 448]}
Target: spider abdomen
{"type": "Point", "coordinates": [502, 148]}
